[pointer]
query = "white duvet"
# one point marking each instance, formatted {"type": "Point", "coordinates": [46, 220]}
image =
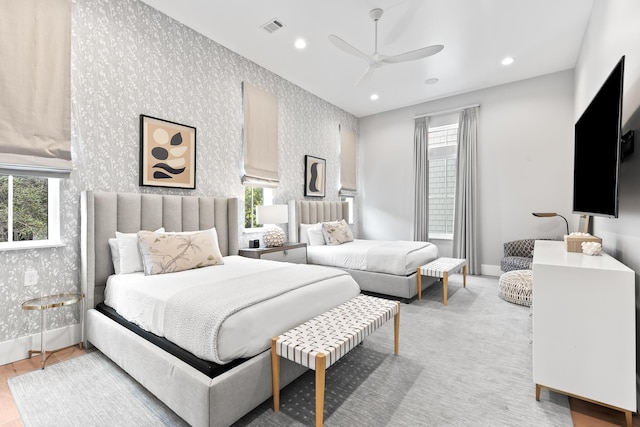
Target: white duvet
{"type": "Point", "coordinates": [238, 310]}
{"type": "Point", "coordinates": [381, 256]}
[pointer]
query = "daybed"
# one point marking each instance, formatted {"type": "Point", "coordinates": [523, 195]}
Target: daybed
{"type": "Point", "coordinates": [203, 390]}
{"type": "Point", "coordinates": [379, 267]}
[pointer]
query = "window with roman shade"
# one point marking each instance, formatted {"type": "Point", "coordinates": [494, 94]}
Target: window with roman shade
{"type": "Point", "coordinates": [35, 45]}
{"type": "Point", "coordinates": [260, 137]}
{"type": "Point", "coordinates": [348, 176]}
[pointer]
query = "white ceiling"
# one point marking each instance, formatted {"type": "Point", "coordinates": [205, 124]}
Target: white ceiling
{"type": "Point", "coordinates": [543, 35]}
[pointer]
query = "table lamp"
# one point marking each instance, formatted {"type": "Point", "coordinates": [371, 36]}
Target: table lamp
{"type": "Point", "coordinates": [269, 215]}
{"type": "Point", "coordinates": [551, 214]}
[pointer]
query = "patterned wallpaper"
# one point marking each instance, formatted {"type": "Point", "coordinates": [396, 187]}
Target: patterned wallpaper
{"type": "Point", "coordinates": [129, 59]}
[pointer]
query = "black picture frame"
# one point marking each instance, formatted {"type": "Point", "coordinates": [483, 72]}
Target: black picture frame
{"type": "Point", "coordinates": [167, 154]}
{"type": "Point", "coordinates": [315, 176]}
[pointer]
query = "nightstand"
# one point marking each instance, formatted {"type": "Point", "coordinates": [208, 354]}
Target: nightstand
{"type": "Point", "coordinates": [288, 252]}
{"type": "Point", "coordinates": [45, 303]}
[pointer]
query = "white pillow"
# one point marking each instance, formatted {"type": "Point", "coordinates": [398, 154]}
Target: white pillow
{"type": "Point", "coordinates": [303, 236]}
{"type": "Point", "coordinates": [316, 237]}
{"type": "Point", "coordinates": [125, 254]}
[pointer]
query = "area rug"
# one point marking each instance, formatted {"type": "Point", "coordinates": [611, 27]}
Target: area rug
{"type": "Point", "coordinates": [465, 364]}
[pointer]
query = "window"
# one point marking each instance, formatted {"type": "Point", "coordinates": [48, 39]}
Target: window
{"type": "Point", "coordinates": [29, 212]}
{"type": "Point", "coordinates": [349, 200]}
{"type": "Point", "coordinates": [443, 146]}
{"type": "Point", "coordinates": [255, 196]}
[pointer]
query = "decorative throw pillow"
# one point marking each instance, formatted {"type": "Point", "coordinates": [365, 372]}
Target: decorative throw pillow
{"type": "Point", "coordinates": [315, 236]}
{"type": "Point", "coordinates": [125, 254]}
{"type": "Point", "coordinates": [172, 252]}
{"type": "Point", "coordinates": [337, 233]}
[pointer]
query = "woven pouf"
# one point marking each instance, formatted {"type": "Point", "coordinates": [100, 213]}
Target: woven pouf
{"type": "Point", "coordinates": [516, 286]}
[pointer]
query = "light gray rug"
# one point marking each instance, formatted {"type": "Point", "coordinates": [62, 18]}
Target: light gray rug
{"type": "Point", "coordinates": [466, 364]}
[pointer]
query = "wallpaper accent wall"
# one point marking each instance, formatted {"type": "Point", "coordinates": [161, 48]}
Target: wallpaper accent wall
{"type": "Point", "coordinates": [129, 59]}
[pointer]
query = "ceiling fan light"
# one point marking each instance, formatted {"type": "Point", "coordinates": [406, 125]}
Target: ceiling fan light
{"type": "Point", "coordinates": [300, 43]}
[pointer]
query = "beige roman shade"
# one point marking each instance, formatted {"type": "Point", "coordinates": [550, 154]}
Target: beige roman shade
{"type": "Point", "coordinates": [260, 137]}
{"type": "Point", "coordinates": [348, 176]}
{"type": "Point", "coordinates": [35, 45]}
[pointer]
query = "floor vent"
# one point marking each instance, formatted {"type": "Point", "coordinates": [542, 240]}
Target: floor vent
{"type": "Point", "coordinates": [272, 25]}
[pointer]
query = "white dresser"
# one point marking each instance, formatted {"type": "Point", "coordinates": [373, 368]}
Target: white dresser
{"type": "Point", "coordinates": [584, 327]}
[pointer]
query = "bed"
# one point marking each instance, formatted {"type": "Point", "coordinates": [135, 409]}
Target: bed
{"type": "Point", "coordinates": [205, 389]}
{"type": "Point", "coordinates": [379, 267]}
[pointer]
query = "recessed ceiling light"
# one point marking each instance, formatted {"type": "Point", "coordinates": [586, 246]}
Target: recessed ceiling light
{"type": "Point", "coordinates": [431, 81]}
{"type": "Point", "coordinates": [508, 60]}
{"type": "Point", "coordinates": [374, 97]}
{"type": "Point", "coordinates": [301, 44]}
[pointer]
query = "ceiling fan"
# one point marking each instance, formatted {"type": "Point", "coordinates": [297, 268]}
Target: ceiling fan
{"type": "Point", "coordinates": [377, 60]}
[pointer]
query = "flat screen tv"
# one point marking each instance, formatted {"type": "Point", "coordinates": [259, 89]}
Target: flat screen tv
{"type": "Point", "coordinates": [597, 153]}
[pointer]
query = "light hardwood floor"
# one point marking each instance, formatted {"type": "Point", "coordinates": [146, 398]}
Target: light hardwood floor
{"type": "Point", "coordinates": [584, 414]}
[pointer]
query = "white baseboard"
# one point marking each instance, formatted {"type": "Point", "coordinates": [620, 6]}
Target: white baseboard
{"type": "Point", "coordinates": [18, 349]}
{"type": "Point", "coordinates": [490, 270]}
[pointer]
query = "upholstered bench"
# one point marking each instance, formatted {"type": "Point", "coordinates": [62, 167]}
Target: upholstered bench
{"type": "Point", "coordinates": [323, 340]}
{"type": "Point", "coordinates": [516, 286]}
{"type": "Point", "coordinates": [442, 268]}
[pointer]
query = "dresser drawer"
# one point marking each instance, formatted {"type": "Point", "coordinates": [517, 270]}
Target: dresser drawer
{"type": "Point", "coordinates": [296, 255]}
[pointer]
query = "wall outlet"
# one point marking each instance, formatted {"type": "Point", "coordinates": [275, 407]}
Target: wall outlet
{"type": "Point", "coordinates": [30, 277]}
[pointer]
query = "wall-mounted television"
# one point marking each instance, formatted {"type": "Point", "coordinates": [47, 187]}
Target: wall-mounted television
{"type": "Point", "coordinates": [597, 154]}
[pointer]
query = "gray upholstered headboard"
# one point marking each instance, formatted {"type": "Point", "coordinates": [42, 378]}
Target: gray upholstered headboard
{"type": "Point", "coordinates": [105, 213]}
{"type": "Point", "coordinates": [311, 212]}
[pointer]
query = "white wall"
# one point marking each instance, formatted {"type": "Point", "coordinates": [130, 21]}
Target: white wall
{"type": "Point", "coordinates": [613, 31]}
{"type": "Point", "coordinates": [525, 163]}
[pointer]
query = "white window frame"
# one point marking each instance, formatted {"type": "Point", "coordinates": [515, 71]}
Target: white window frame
{"type": "Point", "coordinates": [53, 216]}
{"type": "Point", "coordinates": [351, 201]}
{"type": "Point", "coordinates": [442, 152]}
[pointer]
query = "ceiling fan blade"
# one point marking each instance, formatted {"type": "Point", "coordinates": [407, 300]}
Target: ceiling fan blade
{"type": "Point", "coordinates": [366, 76]}
{"type": "Point", "coordinates": [346, 47]}
{"type": "Point", "coordinates": [414, 54]}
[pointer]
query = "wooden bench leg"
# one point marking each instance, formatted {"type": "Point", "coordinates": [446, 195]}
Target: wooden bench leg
{"type": "Point", "coordinates": [275, 375]}
{"type": "Point", "coordinates": [419, 284]}
{"type": "Point", "coordinates": [464, 275]}
{"type": "Point", "coordinates": [445, 286]}
{"type": "Point", "coordinates": [321, 361]}
{"type": "Point", "coordinates": [538, 392]}
{"type": "Point", "coordinates": [396, 330]}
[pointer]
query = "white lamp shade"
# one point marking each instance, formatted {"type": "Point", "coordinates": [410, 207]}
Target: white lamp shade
{"type": "Point", "coordinates": [272, 214]}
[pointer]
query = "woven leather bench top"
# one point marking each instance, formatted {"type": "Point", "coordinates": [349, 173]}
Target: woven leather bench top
{"type": "Point", "coordinates": [336, 331]}
{"type": "Point", "coordinates": [438, 267]}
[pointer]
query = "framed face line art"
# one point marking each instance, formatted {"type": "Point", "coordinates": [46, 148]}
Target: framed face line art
{"type": "Point", "coordinates": [167, 154]}
{"type": "Point", "coordinates": [314, 176]}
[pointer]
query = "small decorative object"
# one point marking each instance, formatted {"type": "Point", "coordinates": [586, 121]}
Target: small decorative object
{"type": "Point", "coordinates": [273, 237]}
{"type": "Point", "coordinates": [167, 154]}
{"type": "Point", "coordinates": [314, 176]}
{"type": "Point", "coordinates": [591, 248]}
{"type": "Point", "coordinates": [269, 215]}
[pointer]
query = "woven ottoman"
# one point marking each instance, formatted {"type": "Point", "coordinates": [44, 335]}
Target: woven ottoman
{"type": "Point", "coordinates": [516, 286]}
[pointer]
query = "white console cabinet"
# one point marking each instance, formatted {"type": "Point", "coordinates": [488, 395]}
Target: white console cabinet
{"type": "Point", "coordinates": [584, 334]}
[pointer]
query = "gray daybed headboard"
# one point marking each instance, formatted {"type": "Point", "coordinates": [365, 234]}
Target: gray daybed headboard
{"type": "Point", "coordinates": [104, 213]}
{"type": "Point", "coordinates": [311, 212]}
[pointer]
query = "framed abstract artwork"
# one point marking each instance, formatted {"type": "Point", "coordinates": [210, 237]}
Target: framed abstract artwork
{"type": "Point", "coordinates": [167, 154]}
{"type": "Point", "coordinates": [314, 176]}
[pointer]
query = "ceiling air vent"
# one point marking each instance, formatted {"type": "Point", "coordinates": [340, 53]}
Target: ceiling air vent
{"type": "Point", "coordinates": [272, 25]}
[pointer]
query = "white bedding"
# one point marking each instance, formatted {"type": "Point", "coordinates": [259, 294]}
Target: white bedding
{"type": "Point", "coordinates": [143, 300]}
{"type": "Point", "coordinates": [357, 255]}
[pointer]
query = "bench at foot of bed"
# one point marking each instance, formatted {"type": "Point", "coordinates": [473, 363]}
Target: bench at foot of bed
{"type": "Point", "coordinates": [323, 340]}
